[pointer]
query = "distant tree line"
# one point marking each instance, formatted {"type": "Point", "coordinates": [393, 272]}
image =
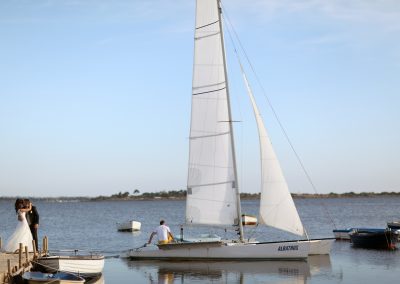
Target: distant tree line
{"type": "Point", "coordinates": [346, 194]}
{"type": "Point", "coordinates": [181, 194]}
{"type": "Point", "coordinates": [171, 194]}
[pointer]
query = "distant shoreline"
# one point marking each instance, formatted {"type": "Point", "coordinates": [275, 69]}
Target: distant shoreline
{"type": "Point", "coordinates": [181, 195]}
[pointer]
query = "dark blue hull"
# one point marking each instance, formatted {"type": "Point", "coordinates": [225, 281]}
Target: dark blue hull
{"type": "Point", "coordinates": [382, 239]}
{"type": "Point", "coordinates": [394, 225]}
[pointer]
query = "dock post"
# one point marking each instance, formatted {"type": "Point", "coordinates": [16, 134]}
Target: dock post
{"type": "Point", "coordinates": [34, 248]}
{"type": "Point", "coordinates": [9, 266]}
{"type": "Point", "coordinates": [26, 256]}
{"type": "Point", "coordinates": [1, 243]}
{"type": "Point", "coordinates": [44, 245]}
{"type": "Point", "coordinates": [20, 255]}
{"type": "Point", "coordinates": [181, 233]}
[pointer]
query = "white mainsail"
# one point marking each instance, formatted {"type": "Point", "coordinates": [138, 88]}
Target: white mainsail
{"type": "Point", "coordinates": [211, 190]}
{"type": "Point", "coordinates": [277, 208]}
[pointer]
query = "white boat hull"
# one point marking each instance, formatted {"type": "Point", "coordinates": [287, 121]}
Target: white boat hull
{"type": "Point", "coordinates": [343, 234]}
{"type": "Point", "coordinates": [320, 247]}
{"type": "Point", "coordinates": [84, 265]}
{"type": "Point", "coordinates": [249, 220]}
{"type": "Point", "coordinates": [223, 251]}
{"type": "Point", "coordinates": [129, 226]}
{"type": "Point", "coordinates": [58, 278]}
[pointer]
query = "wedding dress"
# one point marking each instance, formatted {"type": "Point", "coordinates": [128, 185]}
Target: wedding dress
{"type": "Point", "coordinates": [22, 234]}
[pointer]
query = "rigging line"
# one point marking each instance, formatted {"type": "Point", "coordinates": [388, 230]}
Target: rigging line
{"type": "Point", "coordinates": [257, 114]}
{"type": "Point", "coordinates": [299, 160]}
{"type": "Point", "coordinates": [241, 135]}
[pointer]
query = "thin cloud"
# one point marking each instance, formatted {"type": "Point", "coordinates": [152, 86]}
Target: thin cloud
{"type": "Point", "coordinates": [385, 13]}
{"type": "Point", "coordinates": [327, 39]}
{"type": "Point", "coordinates": [119, 11]}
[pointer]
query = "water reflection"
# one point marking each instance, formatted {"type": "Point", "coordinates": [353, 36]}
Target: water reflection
{"type": "Point", "coordinates": [97, 280]}
{"type": "Point", "coordinates": [168, 272]}
{"type": "Point", "coordinates": [319, 264]}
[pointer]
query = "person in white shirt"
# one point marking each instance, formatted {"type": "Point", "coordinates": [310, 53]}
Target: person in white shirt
{"type": "Point", "coordinates": [163, 233]}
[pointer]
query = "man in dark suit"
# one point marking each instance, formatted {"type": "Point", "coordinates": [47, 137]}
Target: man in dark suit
{"type": "Point", "coordinates": [33, 220]}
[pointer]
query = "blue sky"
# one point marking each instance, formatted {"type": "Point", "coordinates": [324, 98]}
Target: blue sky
{"type": "Point", "coordinates": [95, 95]}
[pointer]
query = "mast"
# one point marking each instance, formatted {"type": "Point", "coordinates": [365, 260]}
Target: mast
{"type": "Point", "coordinates": [238, 205]}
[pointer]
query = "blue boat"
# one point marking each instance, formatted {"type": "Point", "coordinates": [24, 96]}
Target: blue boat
{"type": "Point", "coordinates": [395, 225]}
{"type": "Point", "coordinates": [344, 234]}
{"type": "Point", "coordinates": [56, 278]}
{"type": "Point", "coordinates": [374, 238]}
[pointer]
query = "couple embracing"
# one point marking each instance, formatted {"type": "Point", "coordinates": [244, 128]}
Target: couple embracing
{"type": "Point", "coordinates": [27, 226]}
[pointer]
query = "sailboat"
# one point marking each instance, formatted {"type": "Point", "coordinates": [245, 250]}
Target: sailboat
{"type": "Point", "coordinates": [213, 196]}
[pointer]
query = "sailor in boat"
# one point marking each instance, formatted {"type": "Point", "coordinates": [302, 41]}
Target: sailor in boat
{"type": "Point", "coordinates": [163, 233]}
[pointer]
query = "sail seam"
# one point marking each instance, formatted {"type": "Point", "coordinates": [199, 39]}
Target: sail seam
{"type": "Point", "coordinates": [208, 184]}
{"type": "Point", "coordinates": [207, 25]}
{"type": "Point", "coordinates": [212, 91]}
{"type": "Point", "coordinates": [209, 85]}
{"type": "Point", "coordinates": [204, 36]}
{"type": "Point", "coordinates": [205, 165]}
{"type": "Point", "coordinates": [210, 135]}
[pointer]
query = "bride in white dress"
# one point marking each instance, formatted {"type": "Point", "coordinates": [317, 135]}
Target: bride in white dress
{"type": "Point", "coordinates": [22, 233]}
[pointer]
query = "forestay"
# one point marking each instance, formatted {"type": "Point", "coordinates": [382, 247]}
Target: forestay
{"type": "Point", "coordinates": [211, 193]}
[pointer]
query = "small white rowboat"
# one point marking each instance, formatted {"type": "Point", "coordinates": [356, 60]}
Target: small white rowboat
{"type": "Point", "coordinates": [249, 220]}
{"type": "Point", "coordinates": [86, 265]}
{"type": "Point", "coordinates": [57, 278]}
{"type": "Point", "coordinates": [129, 226]}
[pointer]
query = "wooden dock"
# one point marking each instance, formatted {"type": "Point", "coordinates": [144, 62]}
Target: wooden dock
{"type": "Point", "coordinates": [13, 264]}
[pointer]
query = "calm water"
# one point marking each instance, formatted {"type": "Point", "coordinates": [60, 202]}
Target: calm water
{"type": "Point", "coordinates": [91, 226]}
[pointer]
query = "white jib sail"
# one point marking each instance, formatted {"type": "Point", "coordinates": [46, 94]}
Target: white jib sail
{"type": "Point", "coordinates": [277, 208]}
{"type": "Point", "coordinates": [211, 194]}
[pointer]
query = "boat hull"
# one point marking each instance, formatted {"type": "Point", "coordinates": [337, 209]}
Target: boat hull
{"type": "Point", "coordinates": [57, 278]}
{"type": "Point", "coordinates": [87, 265]}
{"type": "Point", "coordinates": [384, 239]}
{"type": "Point", "coordinates": [223, 251]}
{"type": "Point", "coordinates": [394, 225]}
{"type": "Point", "coordinates": [129, 226]}
{"type": "Point", "coordinates": [342, 234]}
{"type": "Point", "coordinates": [320, 246]}
{"type": "Point", "coordinates": [249, 220]}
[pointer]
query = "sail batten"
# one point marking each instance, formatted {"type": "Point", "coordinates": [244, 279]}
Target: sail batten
{"type": "Point", "coordinates": [200, 185]}
{"type": "Point", "coordinates": [208, 86]}
{"type": "Point", "coordinates": [207, 92]}
{"type": "Point", "coordinates": [209, 135]}
{"type": "Point", "coordinates": [208, 35]}
{"type": "Point", "coordinates": [216, 22]}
